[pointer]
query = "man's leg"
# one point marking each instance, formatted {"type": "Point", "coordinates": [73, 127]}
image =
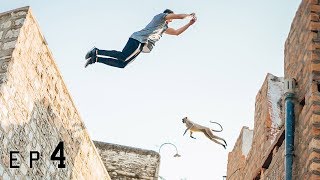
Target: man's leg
{"type": "Point", "coordinates": [116, 62]}
{"type": "Point", "coordinates": [112, 62]}
{"type": "Point", "coordinates": [121, 59]}
{"type": "Point", "coordinates": [128, 50]}
{"type": "Point", "coordinates": [117, 58]}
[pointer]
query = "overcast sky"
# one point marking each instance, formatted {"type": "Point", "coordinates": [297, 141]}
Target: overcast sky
{"type": "Point", "coordinates": [213, 71]}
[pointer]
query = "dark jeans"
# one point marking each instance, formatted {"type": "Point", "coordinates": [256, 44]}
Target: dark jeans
{"type": "Point", "coordinates": [121, 59]}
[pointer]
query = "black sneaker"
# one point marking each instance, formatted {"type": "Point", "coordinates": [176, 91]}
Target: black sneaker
{"type": "Point", "coordinates": [92, 52]}
{"type": "Point", "coordinates": [89, 61]}
{"type": "Point", "coordinates": [92, 57]}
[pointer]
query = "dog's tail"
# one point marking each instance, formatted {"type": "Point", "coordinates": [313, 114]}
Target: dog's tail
{"type": "Point", "coordinates": [219, 125]}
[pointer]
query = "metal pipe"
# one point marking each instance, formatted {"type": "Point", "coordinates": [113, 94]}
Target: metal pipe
{"type": "Point", "coordinates": [289, 127]}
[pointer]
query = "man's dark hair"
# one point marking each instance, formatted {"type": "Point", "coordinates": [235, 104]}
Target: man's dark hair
{"type": "Point", "coordinates": [168, 11]}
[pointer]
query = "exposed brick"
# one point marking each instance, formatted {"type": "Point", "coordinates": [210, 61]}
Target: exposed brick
{"type": "Point", "coordinates": [313, 156]}
{"type": "Point", "coordinates": [315, 118]}
{"type": "Point", "coordinates": [314, 144]}
{"type": "Point", "coordinates": [315, 67]}
{"type": "Point", "coordinates": [302, 62]}
{"type": "Point", "coordinates": [314, 177]}
{"type": "Point", "coordinates": [315, 131]}
{"type": "Point", "coordinates": [314, 17]}
{"type": "Point", "coordinates": [315, 8]}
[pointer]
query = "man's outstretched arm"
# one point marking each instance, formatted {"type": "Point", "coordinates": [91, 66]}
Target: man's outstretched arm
{"type": "Point", "coordinates": [178, 16]}
{"type": "Point", "coordinates": [177, 32]}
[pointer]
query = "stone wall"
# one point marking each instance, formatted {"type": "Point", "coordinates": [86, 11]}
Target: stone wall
{"type": "Point", "coordinates": [36, 109]}
{"type": "Point", "coordinates": [123, 162]}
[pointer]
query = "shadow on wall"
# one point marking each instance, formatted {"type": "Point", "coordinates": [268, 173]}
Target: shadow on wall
{"type": "Point", "coordinates": [41, 133]}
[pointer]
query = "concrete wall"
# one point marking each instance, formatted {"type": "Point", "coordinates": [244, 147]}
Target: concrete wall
{"type": "Point", "coordinates": [36, 109]}
{"type": "Point", "coordinates": [123, 162]}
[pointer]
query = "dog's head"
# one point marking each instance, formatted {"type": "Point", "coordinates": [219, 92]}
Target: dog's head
{"type": "Point", "coordinates": [184, 119]}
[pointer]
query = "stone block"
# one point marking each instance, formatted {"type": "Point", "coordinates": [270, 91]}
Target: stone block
{"type": "Point", "coordinates": [5, 25]}
{"type": "Point", "coordinates": [13, 33]}
{"type": "Point", "coordinates": [9, 45]}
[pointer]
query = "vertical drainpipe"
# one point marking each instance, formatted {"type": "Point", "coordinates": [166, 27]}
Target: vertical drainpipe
{"type": "Point", "coordinates": [289, 126]}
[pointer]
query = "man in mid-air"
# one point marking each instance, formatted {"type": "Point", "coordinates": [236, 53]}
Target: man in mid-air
{"type": "Point", "coordinates": [140, 41]}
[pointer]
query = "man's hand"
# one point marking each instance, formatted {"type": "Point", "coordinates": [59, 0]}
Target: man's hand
{"type": "Point", "coordinates": [193, 14]}
{"type": "Point", "coordinates": [193, 20]}
{"type": "Point", "coordinates": [177, 32]}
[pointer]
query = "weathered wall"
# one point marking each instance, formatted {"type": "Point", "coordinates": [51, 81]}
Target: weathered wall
{"type": "Point", "coordinates": [268, 125]}
{"type": "Point", "coordinates": [276, 167]}
{"type": "Point", "coordinates": [302, 62]}
{"type": "Point", "coordinates": [267, 120]}
{"type": "Point", "coordinates": [36, 110]}
{"type": "Point", "coordinates": [237, 157]}
{"type": "Point", "coordinates": [123, 162]}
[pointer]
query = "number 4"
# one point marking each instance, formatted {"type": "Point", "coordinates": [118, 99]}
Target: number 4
{"type": "Point", "coordinates": [60, 158]}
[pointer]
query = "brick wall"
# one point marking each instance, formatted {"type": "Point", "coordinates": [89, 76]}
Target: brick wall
{"type": "Point", "coordinates": [276, 167]}
{"type": "Point", "coordinates": [36, 110]}
{"type": "Point", "coordinates": [123, 162]}
{"type": "Point", "coordinates": [302, 62]}
{"type": "Point", "coordinates": [263, 129]}
{"type": "Point", "coordinates": [237, 158]}
{"type": "Point", "coordinates": [252, 157]}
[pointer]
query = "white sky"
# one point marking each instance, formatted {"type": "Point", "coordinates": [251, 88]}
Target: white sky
{"type": "Point", "coordinates": [211, 72]}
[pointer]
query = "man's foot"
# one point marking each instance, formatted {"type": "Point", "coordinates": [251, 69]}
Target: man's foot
{"type": "Point", "coordinates": [92, 52]}
{"type": "Point", "coordinates": [91, 57]}
{"type": "Point", "coordinates": [89, 61]}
